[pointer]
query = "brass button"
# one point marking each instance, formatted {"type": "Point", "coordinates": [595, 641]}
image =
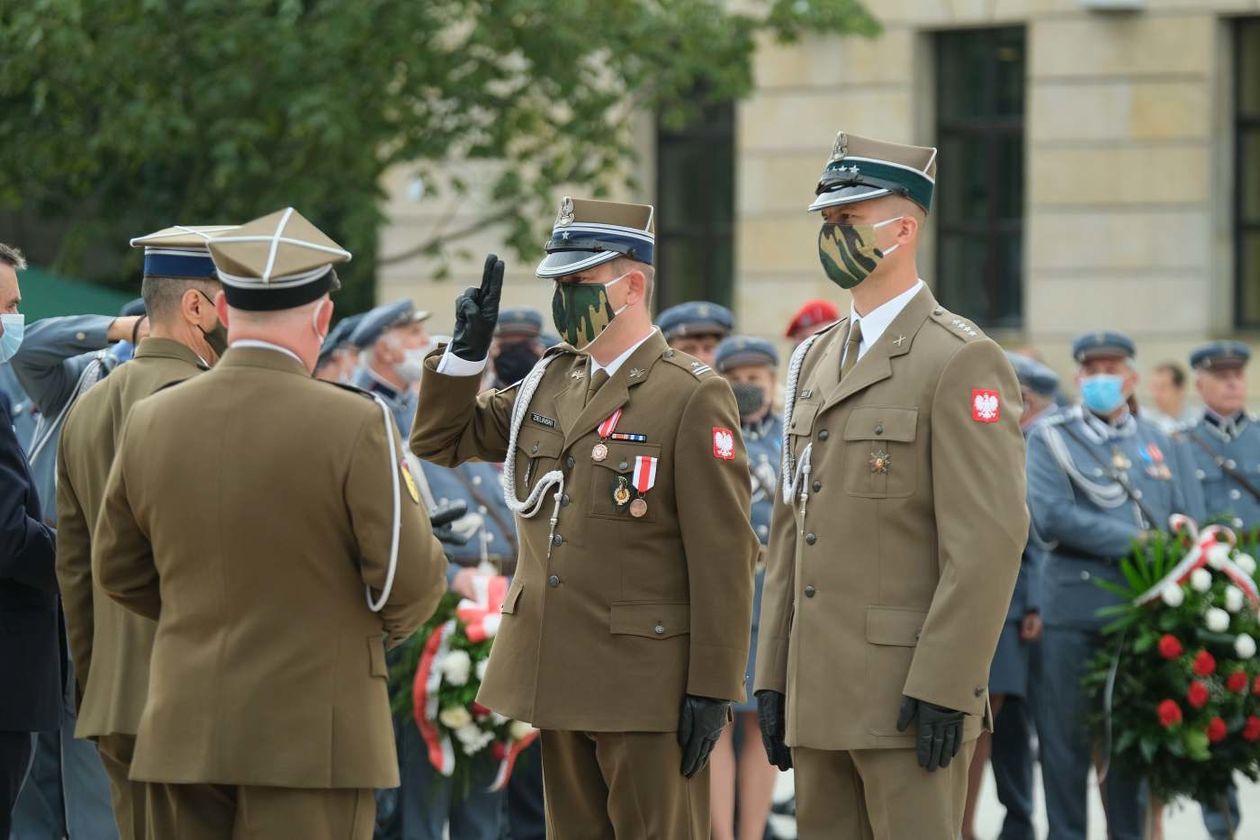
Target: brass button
{"type": "Point", "coordinates": [809, 591]}
{"type": "Point", "coordinates": [811, 538]}
{"type": "Point", "coordinates": [659, 629]}
{"type": "Point", "coordinates": [817, 485]}
{"type": "Point", "coordinates": [624, 465]}
{"type": "Point", "coordinates": [564, 500]}
{"type": "Point", "coordinates": [824, 434]}
{"type": "Point", "coordinates": [553, 581]}
{"type": "Point", "coordinates": [557, 539]}
{"type": "Point", "coordinates": [879, 428]}
{"type": "Point", "coordinates": [569, 462]}
{"type": "Point", "coordinates": [534, 449]}
{"type": "Point", "coordinates": [80, 336]}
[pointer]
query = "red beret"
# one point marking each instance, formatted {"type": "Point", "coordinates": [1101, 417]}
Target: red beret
{"type": "Point", "coordinates": [813, 313]}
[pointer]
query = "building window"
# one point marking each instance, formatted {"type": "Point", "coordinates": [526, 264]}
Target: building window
{"type": "Point", "coordinates": [695, 209]}
{"type": "Point", "coordinates": [979, 203]}
{"type": "Point", "coordinates": [1247, 167]}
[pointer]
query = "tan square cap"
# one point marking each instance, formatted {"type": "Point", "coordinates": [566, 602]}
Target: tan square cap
{"type": "Point", "coordinates": [277, 262]}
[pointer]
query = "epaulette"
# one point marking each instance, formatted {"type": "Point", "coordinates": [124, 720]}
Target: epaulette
{"type": "Point", "coordinates": [557, 349]}
{"type": "Point", "coordinates": [965, 330]}
{"type": "Point", "coordinates": [346, 386]}
{"type": "Point", "coordinates": [691, 364]}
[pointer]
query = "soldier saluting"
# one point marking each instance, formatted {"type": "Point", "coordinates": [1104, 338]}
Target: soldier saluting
{"type": "Point", "coordinates": [625, 630]}
{"type": "Point", "coordinates": [896, 539]}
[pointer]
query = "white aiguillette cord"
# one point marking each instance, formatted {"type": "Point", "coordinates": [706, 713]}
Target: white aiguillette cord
{"type": "Point", "coordinates": [379, 604]}
{"type": "Point", "coordinates": [795, 473]}
{"type": "Point", "coordinates": [529, 506]}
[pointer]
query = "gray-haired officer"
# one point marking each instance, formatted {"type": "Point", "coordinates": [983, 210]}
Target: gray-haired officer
{"type": "Point", "coordinates": [1099, 481]}
{"type": "Point", "coordinates": [392, 341]}
{"type": "Point", "coordinates": [696, 328]}
{"type": "Point", "coordinates": [1018, 653]}
{"type": "Point", "coordinates": [751, 366]}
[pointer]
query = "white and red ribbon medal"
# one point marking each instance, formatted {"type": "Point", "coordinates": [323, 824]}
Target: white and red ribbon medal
{"type": "Point", "coordinates": [643, 479]}
{"type": "Point", "coordinates": [599, 451]}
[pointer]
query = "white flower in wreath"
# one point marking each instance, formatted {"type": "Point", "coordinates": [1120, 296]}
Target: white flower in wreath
{"type": "Point", "coordinates": [1217, 620]}
{"type": "Point", "coordinates": [1245, 646]}
{"type": "Point", "coordinates": [1247, 563]}
{"type": "Point", "coordinates": [457, 667]}
{"type": "Point", "coordinates": [1233, 598]}
{"type": "Point", "coordinates": [520, 730]}
{"type": "Point", "coordinates": [473, 738]}
{"type": "Point", "coordinates": [1173, 595]}
{"type": "Point", "coordinates": [1200, 580]}
{"type": "Point", "coordinates": [481, 670]}
{"type": "Point", "coordinates": [1217, 555]}
{"type": "Point", "coordinates": [454, 717]}
{"type": "Point", "coordinates": [498, 719]}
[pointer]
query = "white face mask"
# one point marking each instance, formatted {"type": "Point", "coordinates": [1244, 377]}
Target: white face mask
{"type": "Point", "coordinates": [411, 368]}
{"type": "Point", "coordinates": [14, 325]}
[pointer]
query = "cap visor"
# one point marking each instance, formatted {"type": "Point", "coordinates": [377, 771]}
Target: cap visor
{"type": "Point", "coordinates": [562, 263]}
{"type": "Point", "coordinates": [847, 195]}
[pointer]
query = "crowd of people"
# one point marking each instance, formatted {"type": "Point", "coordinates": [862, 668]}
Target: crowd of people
{"type": "Point", "coordinates": [707, 589]}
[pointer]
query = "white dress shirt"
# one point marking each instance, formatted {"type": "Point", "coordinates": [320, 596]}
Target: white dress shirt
{"type": "Point", "coordinates": [875, 323]}
{"type": "Point", "coordinates": [267, 345]}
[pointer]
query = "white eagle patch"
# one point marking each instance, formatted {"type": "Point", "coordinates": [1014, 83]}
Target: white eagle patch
{"type": "Point", "coordinates": [985, 406]}
{"type": "Point", "coordinates": [723, 444]}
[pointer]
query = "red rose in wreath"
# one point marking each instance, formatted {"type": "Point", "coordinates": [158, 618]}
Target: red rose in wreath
{"type": "Point", "coordinates": [1169, 713]}
{"type": "Point", "coordinates": [1216, 730]}
{"type": "Point", "coordinates": [1170, 648]}
{"type": "Point", "coordinates": [1204, 664]}
{"type": "Point", "coordinates": [1198, 695]}
{"type": "Point", "coordinates": [1237, 682]}
{"type": "Point", "coordinates": [1251, 730]}
{"type": "Point", "coordinates": [1255, 686]}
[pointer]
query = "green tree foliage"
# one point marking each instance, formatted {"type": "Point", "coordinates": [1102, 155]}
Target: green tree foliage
{"type": "Point", "coordinates": [121, 116]}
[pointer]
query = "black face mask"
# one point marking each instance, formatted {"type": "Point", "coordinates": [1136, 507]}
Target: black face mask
{"type": "Point", "coordinates": [515, 361]}
{"type": "Point", "coordinates": [749, 398]}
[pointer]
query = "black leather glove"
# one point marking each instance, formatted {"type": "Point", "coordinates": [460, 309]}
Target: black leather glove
{"type": "Point", "coordinates": [477, 312]}
{"type": "Point", "coordinates": [699, 725]}
{"type": "Point", "coordinates": [442, 517]}
{"type": "Point", "coordinates": [940, 734]}
{"type": "Point", "coordinates": [772, 718]}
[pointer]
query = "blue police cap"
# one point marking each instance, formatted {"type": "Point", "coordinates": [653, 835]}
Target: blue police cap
{"type": "Point", "coordinates": [382, 318]}
{"type": "Point", "coordinates": [696, 318]}
{"type": "Point", "coordinates": [550, 340]}
{"type": "Point", "coordinates": [1033, 375]}
{"type": "Point", "coordinates": [132, 307]}
{"type": "Point", "coordinates": [338, 336]}
{"type": "Point", "coordinates": [1220, 355]}
{"type": "Point", "coordinates": [739, 350]}
{"type": "Point", "coordinates": [1106, 344]}
{"type": "Point", "coordinates": [519, 320]}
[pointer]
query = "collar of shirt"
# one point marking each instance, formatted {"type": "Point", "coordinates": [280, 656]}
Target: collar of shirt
{"type": "Point", "coordinates": [267, 345]}
{"type": "Point", "coordinates": [875, 322]}
{"type": "Point", "coordinates": [613, 366]}
{"type": "Point", "coordinates": [1230, 427]}
{"type": "Point", "coordinates": [1104, 430]}
{"type": "Point", "coordinates": [380, 385]}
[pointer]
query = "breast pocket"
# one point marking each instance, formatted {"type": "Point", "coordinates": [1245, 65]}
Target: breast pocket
{"type": "Point", "coordinates": [801, 427]}
{"type": "Point", "coordinates": [880, 457]}
{"type": "Point", "coordinates": [537, 452]}
{"type": "Point", "coordinates": [613, 491]}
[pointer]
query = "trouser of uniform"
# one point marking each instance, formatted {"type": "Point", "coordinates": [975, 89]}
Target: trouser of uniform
{"type": "Point", "coordinates": [1067, 749]}
{"type": "Point", "coordinates": [605, 785]}
{"type": "Point", "coordinates": [256, 812]}
{"type": "Point", "coordinates": [526, 814]}
{"type": "Point", "coordinates": [1013, 769]}
{"type": "Point", "coordinates": [16, 751]}
{"type": "Point", "coordinates": [67, 793]}
{"type": "Point", "coordinates": [428, 801]}
{"type": "Point", "coordinates": [878, 795]}
{"type": "Point", "coordinates": [128, 796]}
{"type": "Point", "coordinates": [1214, 819]}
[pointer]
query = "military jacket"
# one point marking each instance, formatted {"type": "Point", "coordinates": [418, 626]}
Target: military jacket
{"type": "Point", "coordinates": [1076, 463]}
{"type": "Point", "coordinates": [402, 403]}
{"type": "Point", "coordinates": [612, 617]}
{"type": "Point", "coordinates": [894, 554]}
{"type": "Point", "coordinates": [1209, 445]}
{"type": "Point", "coordinates": [101, 632]}
{"type": "Point", "coordinates": [765, 450]}
{"type": "Point", "coordinates": [245, 513]}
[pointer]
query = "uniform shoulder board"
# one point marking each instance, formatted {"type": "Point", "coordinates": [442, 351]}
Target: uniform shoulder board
{"type": "Point", "coordinates": [691, 364]}
{"type": "Point", "coordinates": [956, 325]}
{"type": "Point", "coordinates": [345, 386]}
{"type": "Point", "coordinates": [168, 385]}
{"type": "Point", "coordinates": [558, 350]}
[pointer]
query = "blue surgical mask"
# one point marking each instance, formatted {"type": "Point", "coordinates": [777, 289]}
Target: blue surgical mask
{"type": "Point", "coordinates": [14, 326]}
{"type": "Point", "coordinates": [1102, 393]}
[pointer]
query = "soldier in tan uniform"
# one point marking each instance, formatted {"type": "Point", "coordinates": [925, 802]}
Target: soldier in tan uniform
{"type": "Point", "coordinates": [625, 630]}
{"type": "Point", "coordinates": [265, 521]}
{"type": "Point", "coordinates": [896, 538]}
{"type": "Point", "coordinates": [111, 645]}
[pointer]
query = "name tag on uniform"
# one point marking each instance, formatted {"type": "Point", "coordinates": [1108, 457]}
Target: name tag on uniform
{"type": "Point", "coordinates": [542, 420]}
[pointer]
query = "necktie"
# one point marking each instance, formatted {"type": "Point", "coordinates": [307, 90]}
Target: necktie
{"type": "Point", "coordinates": [851, 346]}
{"type": "Point", "coordinates": [597, 381]}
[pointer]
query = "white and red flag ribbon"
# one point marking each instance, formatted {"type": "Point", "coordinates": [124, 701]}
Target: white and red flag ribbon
{"type": "Point", "coordinates": [610, 425]}
{"type": "Point", "coordinates": [644, 473]}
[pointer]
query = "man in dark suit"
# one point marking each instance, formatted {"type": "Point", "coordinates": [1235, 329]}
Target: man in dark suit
{"type": "Point", "coordinates": [29, 650]}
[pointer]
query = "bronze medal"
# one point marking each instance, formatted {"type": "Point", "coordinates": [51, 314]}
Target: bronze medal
{"type": "Point", "coordinates": [638, 508]}
{"type": "Point", "coordinates": [599, 452]}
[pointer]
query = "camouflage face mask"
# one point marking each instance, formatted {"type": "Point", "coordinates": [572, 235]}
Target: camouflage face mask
{"type": "Point", "coordinates": [848, 252]}
{"type": "Point", "coordinates": [581, 311]}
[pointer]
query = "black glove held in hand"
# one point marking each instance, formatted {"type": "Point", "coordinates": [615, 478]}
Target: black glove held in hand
{"type": "Point", "coordinates": [701, 722]}
{"type": "Point", "coordinates": [940, 734]}
{"type": "Point", "coordinates": [477, 312]}
{"type": "Point", "coordinates": [772, 718]}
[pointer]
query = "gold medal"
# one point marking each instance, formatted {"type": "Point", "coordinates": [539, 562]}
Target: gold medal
{"type": "Point", "coordinates": [621, 495]}
{"type": "Point", "coordinates": [1118, 459]}
{"type": "Point", "coordinates": [880, 461]}
{"type": "Point", "coordinates": [638, 508]}
{"type": "Point", "coordinates": [599, 452]}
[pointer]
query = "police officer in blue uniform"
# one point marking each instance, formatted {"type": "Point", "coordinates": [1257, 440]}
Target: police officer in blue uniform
{"type": "Point", "coordinates": [338, 355]}
{"type": "Point", "coordinates": [1017, 656]}
{"type": "Point", "coordinates": [518, 344]}
{"type": "Point", "coordinates": [696, 328]}
{"type": "Point", "coordinates": [1100, 479]}
{"type": "Point", "coordinates": [393, 342]}
{"type": "Point", "coordinates": [1223, 445]}
{"type": "Point", "coordinates": [739, 761]}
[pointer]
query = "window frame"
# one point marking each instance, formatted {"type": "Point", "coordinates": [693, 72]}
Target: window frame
{"type": "Point", "coordinates": [1245, 124]}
